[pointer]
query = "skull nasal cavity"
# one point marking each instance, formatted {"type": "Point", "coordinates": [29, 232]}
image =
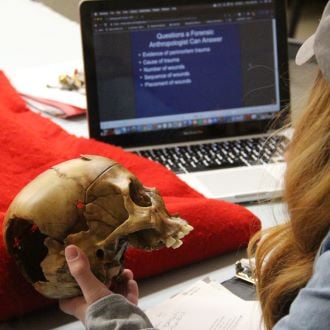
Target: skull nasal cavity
{"type": "Point", "coordinates": [138, 194]}
{"type": "Point", "coordinates": [100, 253]}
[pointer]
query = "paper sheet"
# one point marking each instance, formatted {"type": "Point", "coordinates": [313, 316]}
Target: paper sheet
{"type": "Point", "coordinates": [207, 306]}
{"type": "Point", "coordinates": [34, 81]}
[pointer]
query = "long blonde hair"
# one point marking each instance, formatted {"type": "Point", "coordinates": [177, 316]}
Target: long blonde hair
{"type": "Point", "coordinates": [285, 253]}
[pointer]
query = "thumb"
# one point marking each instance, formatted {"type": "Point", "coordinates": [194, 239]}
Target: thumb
{"type": "Point", "coordinates": [79, 267]}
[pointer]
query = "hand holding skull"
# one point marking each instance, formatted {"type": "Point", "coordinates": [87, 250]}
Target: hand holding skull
{"type": "Point", "coordinates": [91, 202]}
{"type": "Point", "coordinates": [92, 289]}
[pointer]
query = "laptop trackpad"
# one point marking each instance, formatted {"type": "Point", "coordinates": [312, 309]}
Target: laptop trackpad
{"type": "Point", "coordinates": [238, 184]}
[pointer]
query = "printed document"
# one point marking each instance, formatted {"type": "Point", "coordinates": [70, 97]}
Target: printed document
{"type": "Point", "coordinates": [206, 305]}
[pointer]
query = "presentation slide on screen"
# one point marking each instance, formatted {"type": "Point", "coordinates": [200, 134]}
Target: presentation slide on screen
{"type": "Point", "coordinates": [187, 70]}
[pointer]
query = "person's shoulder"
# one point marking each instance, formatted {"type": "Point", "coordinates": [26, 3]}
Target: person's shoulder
{"type": "Point", "coordinates": [322, 258]}
{"type": "Point", "coordinates": [325, 245]}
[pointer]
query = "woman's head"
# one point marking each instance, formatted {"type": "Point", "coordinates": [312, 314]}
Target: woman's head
{"type": "Point", "coordinates": [284, 258]}
{"type": "Point", "coordinates": [307, 180]}
{"type": "Point", "coordinates": [285, 255]}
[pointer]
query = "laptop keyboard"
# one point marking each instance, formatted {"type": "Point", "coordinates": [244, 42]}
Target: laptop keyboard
{"type": "Point", "coordinates": [208, 156]}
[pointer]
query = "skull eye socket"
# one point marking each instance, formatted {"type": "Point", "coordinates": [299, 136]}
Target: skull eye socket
{"type": "Point", "coordinates": [138, 194]}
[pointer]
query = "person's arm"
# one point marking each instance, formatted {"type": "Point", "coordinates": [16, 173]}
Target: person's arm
{"type": "Point", "coordinates": [116, 312]}
{"type": "Point", "coordinates": [311, 308]}
{"type": "Point", "coordinates": [100, 308]}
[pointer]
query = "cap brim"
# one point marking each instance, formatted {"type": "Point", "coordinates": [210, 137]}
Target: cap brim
{"type": "Point", "coordinates": [306, 51]}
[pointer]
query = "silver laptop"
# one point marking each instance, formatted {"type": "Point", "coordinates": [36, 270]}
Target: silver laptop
{"type": "Point", "coordinates": [195, 85]}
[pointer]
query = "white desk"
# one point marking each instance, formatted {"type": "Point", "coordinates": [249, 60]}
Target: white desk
{"type": "Point", "coordinates": [33, 35]}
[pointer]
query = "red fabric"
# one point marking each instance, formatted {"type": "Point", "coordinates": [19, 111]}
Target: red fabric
{"type": "Point", "coordinates": [31, 144]}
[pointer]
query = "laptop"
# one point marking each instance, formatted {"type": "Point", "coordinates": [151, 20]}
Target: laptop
{"type": "Point", "coordinates": [200, 86]}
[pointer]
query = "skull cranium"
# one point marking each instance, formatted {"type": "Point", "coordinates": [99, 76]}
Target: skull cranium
{"type": "Point", "coordinates": [94, 203]}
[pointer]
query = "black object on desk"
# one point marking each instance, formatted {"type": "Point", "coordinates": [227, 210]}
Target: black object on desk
{"type": "Point", "coordinates": [243, 283]}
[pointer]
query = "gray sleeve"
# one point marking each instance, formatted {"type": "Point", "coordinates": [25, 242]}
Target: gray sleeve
{"type": "Point", "coordinates": [115, 312]}
{"type": "Point", "coordinates": [311, 308]}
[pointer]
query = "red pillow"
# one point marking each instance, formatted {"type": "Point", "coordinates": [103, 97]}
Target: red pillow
{"type": "Point", "coordinates": [31, 144]}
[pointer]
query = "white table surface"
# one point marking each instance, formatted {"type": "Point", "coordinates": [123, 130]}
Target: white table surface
{"type": "Point", "coordinates": [33, 35]}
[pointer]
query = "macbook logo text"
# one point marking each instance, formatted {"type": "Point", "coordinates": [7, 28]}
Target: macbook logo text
{"type": "Point", "coordinates": [193, 132]}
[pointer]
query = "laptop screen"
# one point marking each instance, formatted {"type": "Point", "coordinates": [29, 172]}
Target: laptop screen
{"type": "Point", "coordinates": [164, 67]}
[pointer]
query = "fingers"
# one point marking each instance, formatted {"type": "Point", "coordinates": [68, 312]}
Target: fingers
{"type": "Point", "coordinates": [132, 292]}
{"type": "Point", "coordinates": [130, 288]}
{"type": "Point", "coordinates": [79, 267]}
{"type": "Point", "coordinates": [127, 274]}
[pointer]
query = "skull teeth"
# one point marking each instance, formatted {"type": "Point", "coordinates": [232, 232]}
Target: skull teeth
{"type": "Point", "coordinates": [180, 234]}
{"type": "Point", "coordinates": [177, 244]}
{"type": "Point", "coordinates": [187, 229]}
{"type": "Point", "coordinates": [173, 243]}
{"type": "Point", "coordinates": [170, 242]}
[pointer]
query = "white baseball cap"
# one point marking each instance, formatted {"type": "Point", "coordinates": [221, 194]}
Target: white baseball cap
{"type": "Point", "coordinates": [318, 45]}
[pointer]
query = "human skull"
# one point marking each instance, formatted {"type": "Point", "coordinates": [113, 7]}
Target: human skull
{"type": "Point", "coordinates": [94, 203]}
